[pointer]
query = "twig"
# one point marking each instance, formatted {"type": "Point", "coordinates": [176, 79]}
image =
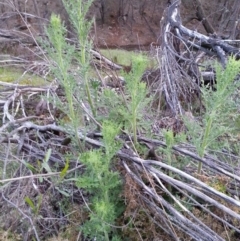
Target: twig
{"type": "Point", "coordinates": [39, 175]}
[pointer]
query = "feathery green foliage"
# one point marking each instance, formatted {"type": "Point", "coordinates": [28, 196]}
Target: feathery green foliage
{"type": "Point", "coordinates": [61, 53]}
{"type": "Point", "coordinates": [126, 111]}
{"type": "Point", "coordinates": [219, 107]}
{"type": "Point", "coordinates": [77, 11]}
{"type": "Point", "coordinates": [103, 183]}
{"type": "Point", "coordinates": [98, 179]}
{"type": "Point", "coordinates": [137, 91]}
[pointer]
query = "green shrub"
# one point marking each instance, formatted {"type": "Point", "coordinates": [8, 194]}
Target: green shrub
{"type": "Point", "coordinates": [103, 184]}
{"type": "Point", "coordinates": [219, 105]}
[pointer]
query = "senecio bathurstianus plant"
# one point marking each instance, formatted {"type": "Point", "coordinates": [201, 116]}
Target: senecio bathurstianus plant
{"type": "Point", "coordinates": [99, 180]}
{"type": "Point", "coordinates": [219, 106]}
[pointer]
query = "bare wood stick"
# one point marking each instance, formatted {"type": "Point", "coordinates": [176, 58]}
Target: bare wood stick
{"type": "Point", "coordinates": [106, 60]}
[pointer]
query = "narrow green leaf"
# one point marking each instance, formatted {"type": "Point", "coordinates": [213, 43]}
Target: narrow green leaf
{"type": "Point", "coordinates": [63, 192]}
{"type": "Point", "coordinates": [39, 203]}
{"type": "Point", "coordinates": [47, 156]}
{"type": "Point", "coordinates": [40, 179]}
{"type": "Point", "coordinates": [65, 169]}
{"type": "Point", "coordinates": [30, 203]}
{"type": "Point", "coordinates": [30, 167]}
{"type": "Point", "coordinates": [46, 167]}
{"type": "Point", "coordinates": [45, 161]}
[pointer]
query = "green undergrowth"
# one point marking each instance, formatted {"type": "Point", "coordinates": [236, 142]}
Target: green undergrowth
{"type": "Point", "coordinates": [113, 112]}
{"type": "Point", "coordinates": [220, 119]}
{"type": "Point", "coordinates": [17, 76]}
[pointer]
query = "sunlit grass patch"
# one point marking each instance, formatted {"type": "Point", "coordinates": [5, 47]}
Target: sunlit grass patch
{"type": "Point", "coordinates": [124, 57]}
{"type": "Point", "coordinates": [16, 76]}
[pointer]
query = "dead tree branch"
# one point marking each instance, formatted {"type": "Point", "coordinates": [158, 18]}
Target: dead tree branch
{"type": "Point", "coordinates": [179, 56]}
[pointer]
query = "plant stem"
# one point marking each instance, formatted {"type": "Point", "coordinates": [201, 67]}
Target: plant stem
{"type": "Point", "coordinates": [135, 127]}
{"type": "Point", "coordinates": [90, 98]}
{"type": "Point", "coordinates": [205, 140]}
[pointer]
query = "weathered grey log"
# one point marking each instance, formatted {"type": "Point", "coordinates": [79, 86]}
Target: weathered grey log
{"type": "Point", "coordinates": [212, 43]}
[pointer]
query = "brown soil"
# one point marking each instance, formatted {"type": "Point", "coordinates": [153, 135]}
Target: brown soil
{"type": "Point", "coordinates": [133, 24]}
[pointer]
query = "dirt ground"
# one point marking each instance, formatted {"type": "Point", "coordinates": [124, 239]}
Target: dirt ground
{"type": "Point", "coordinates": [133, 24]}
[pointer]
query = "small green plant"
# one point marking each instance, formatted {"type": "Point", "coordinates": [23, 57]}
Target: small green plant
{"type": "Point", "coordinates": [77, 11]}
{"type": "Point", "coordinates": [219, 107]}
{"type": "Point", "coordinates": [127, 109]}
{"type": "Point", "coordinates": [137, 91]}
{"type": "Point", "coordinates": [35, 208]}
{"type": "Point", "coordinates": [98, 179]}
{"type": "Point", "coordinates": [62, 54]}
{"type": "Point", "coordinates": [75, 81]}
{"type": "Point", "coordinates": [103, 183]}
{"type": "Point", "coordinates": [169, 137]}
